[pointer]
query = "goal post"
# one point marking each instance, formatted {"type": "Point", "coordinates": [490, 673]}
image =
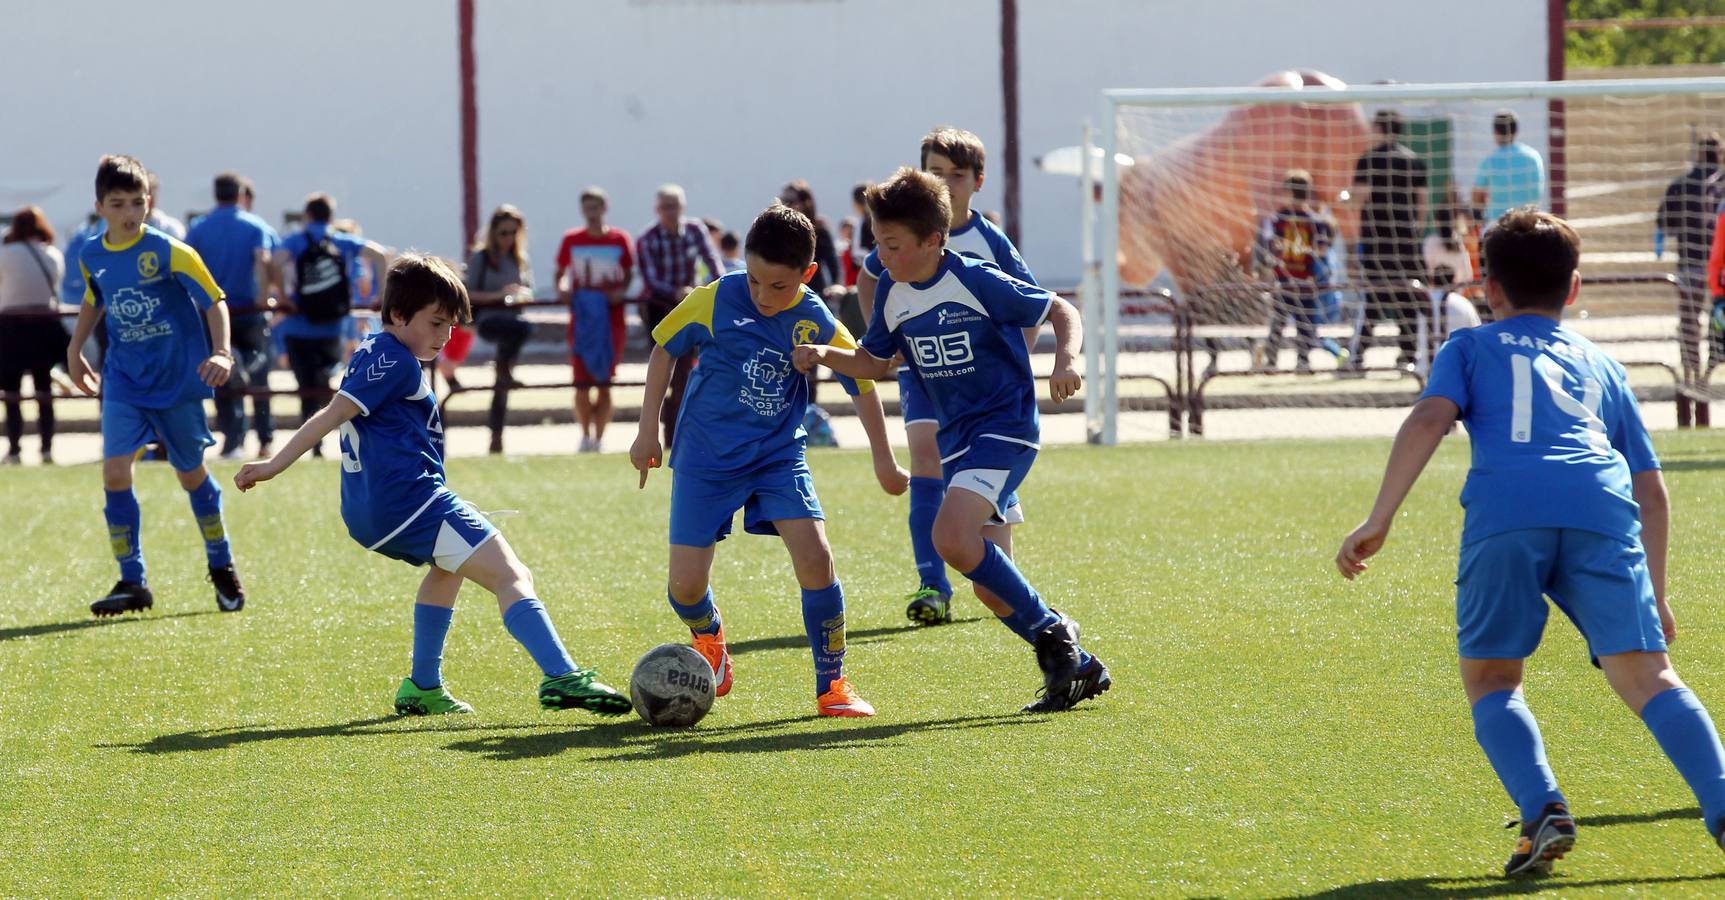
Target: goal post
{"type": "Point", "coordinates": [1338, 300]}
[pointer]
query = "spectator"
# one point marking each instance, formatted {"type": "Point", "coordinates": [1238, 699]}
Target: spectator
{"type": "Point", "coordinates": [1445, 247]}
{"type": "Point", "coordinates": [599, 261]}
{"type": "Point", "coordinates": [236, 247]}
{"type": "Point", "coordinates": [32, 339]}
{"type": "Point", "coordinates": [715, 234]}
{"type": "Point", "coordinates": [668, 251]}
{"type": "Point", "coordinates": [1513, 175]}
{"type": "Point", "coordinates": [320, 261]}
{"type": "Point", "coordinates": [72, 285]}
{"type": "Point", "coordinates": [1300, 236]}
{"type": "Point", "coordinates": [365, 281]}
{"type": "Point", "coordinates": [499, 276]}
{"type": "Point", "coordinates": [731, 252]}
{"type": "Point", "coordinates": [799, 196]}
{"type": "Point", "coordinates": [1686, 216]}
{"type": "Point", "coordinates": [863, 243]}
{"type": "Point", "coordinates": [1390, 187]}
{"type": "Point", "coordinates": [159, 220]}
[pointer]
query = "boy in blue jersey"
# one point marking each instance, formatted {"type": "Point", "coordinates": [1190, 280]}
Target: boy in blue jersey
{"type": "Point", "coordinates": [740, 441]}
{"type": "Point", "coordinates": [1565, 500]}
{"type": "Point", "coordinates": [956, 157]}
{"type": "Point", "coordinates": [960, 323]}
{"type": "Point", "coordinates": [394, 499]}
{"type": "Point", "coordinates": [156, 299]}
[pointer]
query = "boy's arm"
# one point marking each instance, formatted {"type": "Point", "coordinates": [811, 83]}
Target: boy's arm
{"type": "Point", "coordinates": [1068, 340]}
{"type": "Point", "coordinates": [892, 477]}
{"type": "Point", "coordinates": [215, 370]}
{"type": "Point", "coordinates": [856, 362]}
{"type": "Point", "coordinates": [1649, 490]}
{"type": "Point", "coordinates": [647, 453]}
{"type": "Point", "coordinates": [1418, 438]}
{"type": "Point", "coordinates": [76, 365]}
{"type": "Point", "coordinates": [328, 419]}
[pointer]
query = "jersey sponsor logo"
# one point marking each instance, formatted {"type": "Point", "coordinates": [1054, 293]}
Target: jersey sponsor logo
{"type": "Point", "coordinates": [936, 356]}
{"type": "Point", "coordinates": [149, 264]}
{"type": "Point", "coordinates": [957, 316]}
{"type": "Point", "coordinates": [769, 373]}
{"type": "Point", "coordinates": [134, 315]}
{"type": "Point", "coordinates": [804, 332]}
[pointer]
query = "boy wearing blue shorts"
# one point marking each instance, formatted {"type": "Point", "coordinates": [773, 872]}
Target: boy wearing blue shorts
{"type": "Point", "coordinates": [956, 157]}
{"type": "Point", "coordinates": [395, 502]}
{"type": "Point", "coordinates": [156, 298]}
{"type": "Point", "coordinates": [740, 442]}
{"type": "Point", "coordinates": [959, 322]}
{"type": "Point", "coordinates": [1564, 500]}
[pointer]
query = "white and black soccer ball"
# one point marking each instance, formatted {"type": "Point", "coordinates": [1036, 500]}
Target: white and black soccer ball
{"type": "Point", "coordinates": [672, 685]}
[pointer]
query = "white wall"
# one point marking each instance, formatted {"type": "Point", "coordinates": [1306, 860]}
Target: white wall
{"type": "Point", "coordinates": [729, 97]}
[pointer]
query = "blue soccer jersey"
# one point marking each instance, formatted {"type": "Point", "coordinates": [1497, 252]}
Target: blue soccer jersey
{"type": "Point", "coordinates": [1555, 429]}
{"type": "Point", "coordinates": [392, 452]}
{"type": "Point", "coordinates": [979, 238]}
{"type": "Point", "coordinates": [962, 332]}
{"type": "Point", "coordinates": [153, 292]}
{"type": "Point", "coordinates": [744, 404]}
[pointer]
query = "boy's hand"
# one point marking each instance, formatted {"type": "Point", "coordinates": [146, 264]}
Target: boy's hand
{"type": "Point", "coordinates": [646, 452]}
{"type": "Point", "coordinates": [215, 370]}
{"type": "Point", "coordinates": [1065, 381]}
{"type": "Point", "coordinates": [892, 477]}
{"type": "Point", "coordinates": [253, 473]}
{"type": "Point", "coordinates": [806, 356]}
{"type": "Point", "coordinates": [83, 379]}
{"type": "Point", "coordinates": [1357, 547]}
{"type": "Point", "coordinates": [1667, 622]}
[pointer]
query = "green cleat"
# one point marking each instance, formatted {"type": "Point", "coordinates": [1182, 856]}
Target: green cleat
{"type": "Point", "coordinates": [412, 700]}
{"type": "Point", "coordinates": [581, 689]}
{"type": "Point", "coordinates": [929, 606]}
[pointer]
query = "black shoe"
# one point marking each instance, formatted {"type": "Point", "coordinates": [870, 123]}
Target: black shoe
{"type": "Point", "coordinates": [230, 597]}
{"type": "Point", "coordinates": [124, 597]}
{"type": "Point", "coordinates": [1092, 681]}
{"type": "Point", "coordinates": [1057, 656]}
{"type": "Point", "coordinates": [1542, 841]}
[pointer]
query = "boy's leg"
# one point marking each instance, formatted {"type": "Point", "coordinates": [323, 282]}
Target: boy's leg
{"type": "Point", "coordinates": [184, 434]}
{"type": "Point", "coordinates": [823, 596]}
{"type": "Point", "coordinates": [422, 692]}
{"type": "Point", "coordinates": [1507, 732]}
{"type": "Point", "coordinates": [1000, 536]}
{"type": "Point", "coordinates": [123, 517]}
{"type": "Point", "coordinates": [1680, 724]}
{"type": "Point", "coordinates": [930, 604]}
{"type": "Point", "coordinates": [689, 591]}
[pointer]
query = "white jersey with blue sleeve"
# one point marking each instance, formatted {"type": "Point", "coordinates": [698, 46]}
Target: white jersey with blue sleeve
{"type": "Point", "coordinates": [962, 333]}
{"type": "Point", "coordinates": [1555, 429]}
{"type": "Point", "coordinates": [392, 452]}
{"type": "Point", "coordinates": [978, 238]}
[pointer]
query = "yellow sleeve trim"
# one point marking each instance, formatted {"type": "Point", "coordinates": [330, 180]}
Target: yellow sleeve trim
{"type": "Point", "coordinates": [89, 293]}
{"type": "Point", "coordinates": [186, 261]}
{"type": "Point", "coordinates": [842, 339]}
{"type": "Point", "coordinates": [696, 309]}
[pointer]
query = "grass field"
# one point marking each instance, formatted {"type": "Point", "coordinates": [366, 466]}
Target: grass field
{"type": "Point", "coordinates": [1273, 731]}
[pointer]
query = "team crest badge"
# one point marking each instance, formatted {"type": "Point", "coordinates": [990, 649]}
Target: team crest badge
{"type": "Point", "coordinates": [805, 332]}
{"type": "Point", "coordinates": [149, 264]}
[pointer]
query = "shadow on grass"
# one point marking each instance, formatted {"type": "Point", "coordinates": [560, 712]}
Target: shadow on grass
{"type": "Point", "coordinates": [1688, 813]}
{"type": "Point", "coordinates": [222, 738]}
{"type": "Point", "coordinates": [29, 631]}
{"type": "Point", "coordinates": [1495, 887]}
{"type": "Point", "coordinates": [640, 741]}
{"type": "Point", "coordinates": [852, 636]}
{"type": "Point", "coordinates": [1691, 465]}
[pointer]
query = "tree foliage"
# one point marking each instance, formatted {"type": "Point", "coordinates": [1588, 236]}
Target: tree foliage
{"type": "Point", "coordinates": [1606, 47]}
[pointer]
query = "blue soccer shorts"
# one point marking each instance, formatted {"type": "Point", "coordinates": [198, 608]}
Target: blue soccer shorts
{"type": "Point", "coordinates": [913, 403]}
{"type": "Point", "coordinates": [702, 508]}
{"type": "Point", "coordinates": [445, 532]}
{"type": "Point", "coordinates": [993, 468]}
{"type": "Point", "coordinates": [1601, 583]}
{"type": "Point", "coordinates": [182, 430]}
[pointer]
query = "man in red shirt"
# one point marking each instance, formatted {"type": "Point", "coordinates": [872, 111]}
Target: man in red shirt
{"type": "Point", "coordinates": [599, 260]}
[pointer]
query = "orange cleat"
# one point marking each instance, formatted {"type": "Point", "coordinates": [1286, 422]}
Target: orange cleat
{"type": "Point", "coordinates": [841, 700]}
{"type": "Point", "coordinates": [712, 646]}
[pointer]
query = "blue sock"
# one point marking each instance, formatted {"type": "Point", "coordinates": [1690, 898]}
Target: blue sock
{"type": "Point", "coordinates": [1505, 729]}
{"type": "Point", "coordinates": [824, 620]}
{"type": "Point", "coordinates": [123, 524]}
{"type": "Point", "coordinates": [207, 507]}
{"type": "Point", "coordinates": [925, 497]}
{"type": "Point", "coordinates": [997, 573]}
{"type": "Point", "coordinates": [702, 616]}
{"type": "Point", "coordinates": [430, 628]}
{"type": "Point", "coordinates": [529, 624]}
{"type": "Point", "coordinates": [1680, 724]}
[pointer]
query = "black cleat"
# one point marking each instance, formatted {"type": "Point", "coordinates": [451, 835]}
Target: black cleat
{"type": "Point", "coordinates": [1092, 681]}
{"type": "Point", "coordinates": [1057, 656]}
{"type": "Point", "coordinates": [1542, 842]}
{"type": "Point", "coordinates": [124, 597]}
{"type": "Point", "coordinates": [230, 597]}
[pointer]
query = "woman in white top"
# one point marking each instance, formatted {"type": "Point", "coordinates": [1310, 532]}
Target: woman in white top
{"type": "Point", "coordinates": [32, 337]}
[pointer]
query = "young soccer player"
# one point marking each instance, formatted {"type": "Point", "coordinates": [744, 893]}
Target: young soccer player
{"type": "Point", "coordinates": [394, 499]}
{"type": "Point", "coordinates": [740, 440]}
{"type": "Point", "coordinates": [1565, 500]}
{"type": "Point", "coordinates": [152, 290]}
{"type": "Point", "coordinates": [1299, 238]}
{"type": "Point", "coordinates": [959, 322]}
{"type": "Point", "coordinates": [955, 157]}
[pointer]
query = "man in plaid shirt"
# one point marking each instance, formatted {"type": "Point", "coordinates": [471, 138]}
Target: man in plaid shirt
{"type": "Point", "coordinates": [667, 252]}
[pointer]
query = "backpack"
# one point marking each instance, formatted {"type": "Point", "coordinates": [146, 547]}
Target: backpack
{"type": "Point", "coordinates": [321, 273]}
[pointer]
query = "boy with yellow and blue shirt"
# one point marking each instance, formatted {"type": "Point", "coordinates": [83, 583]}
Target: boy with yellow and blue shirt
{"type": "Point", "coordinates": [740, 442]}
{"type": "Point", "coordinates": [156, 297]}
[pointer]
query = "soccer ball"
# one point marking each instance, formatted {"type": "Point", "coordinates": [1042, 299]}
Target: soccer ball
{"type": "Point", "coordinates": [672, 685]}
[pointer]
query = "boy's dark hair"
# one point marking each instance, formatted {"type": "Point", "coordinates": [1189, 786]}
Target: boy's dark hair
{"type": "Point", "coordinates": [1299, 184]}
{"type": "Point", "coordinates": [1707, 150]}
{"type": "Point", "coordinates": [1389, 122]}
{"type": "Point", "coordinates": [417, 280]}
{"type": "Point", "coordinates": [963, 148]}
{"type": "Point", "coordinates": [1504, 124]}
{"type": "Point", "coordinates": [120, 173]}
{"type": "Point", "coordinates": [782, 236]}
{"type": "Point", "coordinates": [729, 242]}
{"type": "Point", "coordinates": [228, 187]}
{"type": "Point", "coordinates": [914, 199]}
{"type": "Point", "coordinates": [1533, 255]}
{"type": "Point", "coordinates": [858, 192]}
{"type": "Point", "coordinates": [319, 207]}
